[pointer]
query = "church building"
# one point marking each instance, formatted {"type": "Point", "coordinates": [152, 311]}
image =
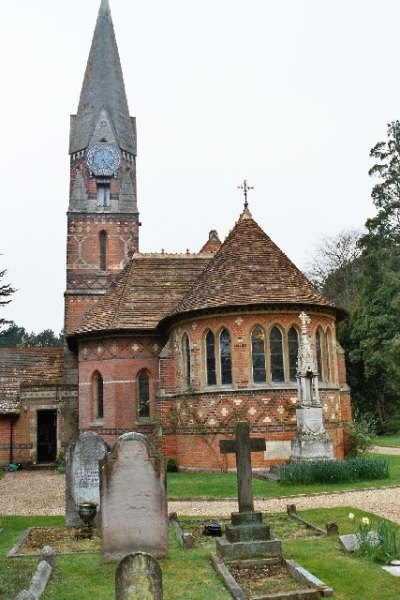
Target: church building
{"type": "Point", "coordinates": [179, 347]}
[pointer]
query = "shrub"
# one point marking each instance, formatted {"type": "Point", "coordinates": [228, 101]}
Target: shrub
{"type": "Point", "coordinates": [60, 463]}
{"type": "Point", "coordinates": [362, 434]}
{"type": "Point", "coordinates": [330, 471]}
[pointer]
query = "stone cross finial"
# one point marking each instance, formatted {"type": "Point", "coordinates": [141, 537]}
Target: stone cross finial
{"type": "Point", "coordinates": [243, 445]}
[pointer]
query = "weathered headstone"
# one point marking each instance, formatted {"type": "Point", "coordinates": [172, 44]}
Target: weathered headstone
{"type": "Point", "coordinates": [82, 475]}
{"type": "Point", "coordinates": [134, 515]}
{"type": "Point", "coordinates": [138, 577]}
{"type": "Point", "coordinates": [247, 536]}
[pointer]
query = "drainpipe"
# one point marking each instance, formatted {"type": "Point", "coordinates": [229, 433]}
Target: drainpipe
{"type": "Point", "coordinates": [12, 421]}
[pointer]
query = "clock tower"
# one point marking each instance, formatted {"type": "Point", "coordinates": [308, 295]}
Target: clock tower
{"type": "Point", "coordinates": [103, 219]}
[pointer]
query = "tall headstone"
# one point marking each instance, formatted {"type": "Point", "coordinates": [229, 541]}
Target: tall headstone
{"type": "Point", "coordinates": [138, 577]}
{"type": "Point", "coordinates": [312, 442]}
{"type": "Point", "coordinates": [247, 536]}
{"type": "Point", "coordinates": [134, 514]}
{"type": "Point", "coordinates": [83, 475]}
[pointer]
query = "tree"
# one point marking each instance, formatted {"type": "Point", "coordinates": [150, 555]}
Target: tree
{"type": "Point", "coordinates": [5, 292]}
{"type": "Point", "coordinates": [18, 337]}
{"type": "Point", "coordinates": [336, 268]}
{"type": "Point", "coordinates": [384, 228]}
{"type": "Point", "coordinates": [371, 337]}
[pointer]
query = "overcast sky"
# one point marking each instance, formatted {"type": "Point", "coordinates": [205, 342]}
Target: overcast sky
{"type": "Point", "coordinates": [290, 94]}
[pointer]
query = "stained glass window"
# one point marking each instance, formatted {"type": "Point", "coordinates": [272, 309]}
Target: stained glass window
{"type": "Point", "coordinates": [293, 347]}
{"type": "Point", "coordinates": [226, 357]}
{"type": "Point", "coordinates": [258, 355]}
{"type": "Point", "coordinates": [276, 350]}
{"type": "Point", "coordinates": [318, 342]}
{"type": "Point", "coordinates": [210, 359]}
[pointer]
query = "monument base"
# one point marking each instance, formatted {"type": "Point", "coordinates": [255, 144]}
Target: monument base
{"type": "Point", "coordinates": [247, 537]}
{"type": "Point", "coordinates": [312, 441]}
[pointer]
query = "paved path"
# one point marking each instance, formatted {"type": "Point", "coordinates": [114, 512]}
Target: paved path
{"type": "Point", "coordinates": [42, 493]}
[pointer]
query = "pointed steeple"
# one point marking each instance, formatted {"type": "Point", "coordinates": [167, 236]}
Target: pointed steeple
{"type": "Point", "coordinates": [103, 89]}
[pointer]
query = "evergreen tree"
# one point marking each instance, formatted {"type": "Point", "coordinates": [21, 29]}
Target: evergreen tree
{"type": "Point", "coordinates": [372, 334]}
{"type": "Point", "coordinates": [6, 290]}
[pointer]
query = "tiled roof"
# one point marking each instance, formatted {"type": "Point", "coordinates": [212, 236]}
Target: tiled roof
{"type": "Point", "coordinates": [249, 269]}
{"type": "Point", "coordinates": [33, 366]}
{"type": "Point", "coordinates": [147, 290]}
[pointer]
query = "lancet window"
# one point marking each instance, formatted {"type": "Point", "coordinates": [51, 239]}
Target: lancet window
{"type": "Point", "coordinates": [98, 395]}
{"type": "Point", "coordinates": [258, 355]}
{"type": "Point", "coordinates": [143, 395]}
{"type": "Point", "coordinates": [226, 357]}
{"type": "Point", "coordinates": [276, 351]}
{"type": "Point", "coordinates": [210, 359]}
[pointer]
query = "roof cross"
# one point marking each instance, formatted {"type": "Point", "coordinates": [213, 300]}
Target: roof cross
{"type": "Point", "coordinates": [242, 446]}
{"type": "Point", "coordinates": [245, 187]}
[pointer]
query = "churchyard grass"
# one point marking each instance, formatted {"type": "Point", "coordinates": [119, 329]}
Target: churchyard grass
{"type": "Point", "coordinates": [392, 441]}
{"type": "Point", "coordinates": [351, 577]}
{"type": "Point", "coordinates": [223, 485]}
{"type": "Point", "coordinates": [187, 574]}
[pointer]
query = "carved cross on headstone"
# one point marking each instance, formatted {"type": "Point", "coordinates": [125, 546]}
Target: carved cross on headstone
{"type": "Point", "coordinates": [243, 445]}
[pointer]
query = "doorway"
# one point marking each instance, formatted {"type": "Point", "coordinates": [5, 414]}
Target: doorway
{"type": "Point", "coordinates": [46, 436]}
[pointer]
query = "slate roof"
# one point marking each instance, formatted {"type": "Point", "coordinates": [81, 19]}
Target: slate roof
{"type": "Point", "coordinates": [249, 269]}
{"type": "Point", "coordinates": [103, 87]}
{"type": "Point", "coordinates": [146, 291]}
{"type": "Point", "coordinates": [27, 366]}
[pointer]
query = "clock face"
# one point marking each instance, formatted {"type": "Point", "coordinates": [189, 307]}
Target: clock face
{"type": "Point", "coordinates": [103, 159]}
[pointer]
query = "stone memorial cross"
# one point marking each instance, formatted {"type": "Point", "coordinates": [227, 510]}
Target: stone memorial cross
{"type": "Point", "coordinates": [243, 445]}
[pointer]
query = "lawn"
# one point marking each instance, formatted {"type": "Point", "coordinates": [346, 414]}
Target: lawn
{"type": "Point", "coordinates": [392, 440]}
{"type": "Point", "coordinates": [187, 574]}
{"type": "Point", "coordinates": [223, 485]}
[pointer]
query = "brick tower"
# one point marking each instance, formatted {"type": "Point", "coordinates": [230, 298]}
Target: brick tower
{"type": "Point", "coordinates": [103, 220]}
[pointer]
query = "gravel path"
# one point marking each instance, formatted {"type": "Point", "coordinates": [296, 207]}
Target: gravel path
{"type": "Point", "coordinates": [42, 493]}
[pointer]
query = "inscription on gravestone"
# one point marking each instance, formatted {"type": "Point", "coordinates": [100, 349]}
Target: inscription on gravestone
{"type": "Point", "coordinates": [82, 475]}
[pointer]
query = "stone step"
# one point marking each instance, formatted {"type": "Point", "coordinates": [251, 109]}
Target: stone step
{"type": "Point", "coordinates": [253, 531]}
{"type": "Point", "coordinates": [246, 518]}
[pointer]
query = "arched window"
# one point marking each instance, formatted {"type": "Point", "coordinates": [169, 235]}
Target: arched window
{"type": "Point", "coordinates": [226, 357]}
{"type": "Point", "coordinates": [276, 351]}
{"type": "Point", "coordinates": [293, 348]}
{"type": "Point", "coordinates": [98, 395]}
{"type": "Point", "coordinates": [258, 355]}
{"type": "Point", "coordinates": [329, 367]}
{"type": "Point", "coordinates": [143, 395]}
{"type": "Point", "coordinates": [103, 250]}
{"type": "Point", "coordinates": [210, 359]}
{"type": "Point", "coordinates": [318, 343]}
{"type": "Point", "coordinates": [186, 360]}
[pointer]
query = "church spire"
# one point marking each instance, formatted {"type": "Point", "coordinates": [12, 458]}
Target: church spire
{"type": "Point", "coordinates": [103, 91]}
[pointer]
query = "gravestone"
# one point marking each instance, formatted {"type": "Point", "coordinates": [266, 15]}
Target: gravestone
{"type": "Point", "coordinates": [312, 442]}
{"type": "Point", "coordinates": [247, 536]}
{"type": "Point", "coordinates": [134, 515]}
{"type": "Point", "coordinates": [138, 577]}
{"type": "Point", "coordinates": [82, 482]}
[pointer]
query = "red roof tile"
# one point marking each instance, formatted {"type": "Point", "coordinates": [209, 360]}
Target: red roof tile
{"type": "Point", "coordinates": [147, 290]}
{"type": "Point", "coordinates": [249, 269]}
